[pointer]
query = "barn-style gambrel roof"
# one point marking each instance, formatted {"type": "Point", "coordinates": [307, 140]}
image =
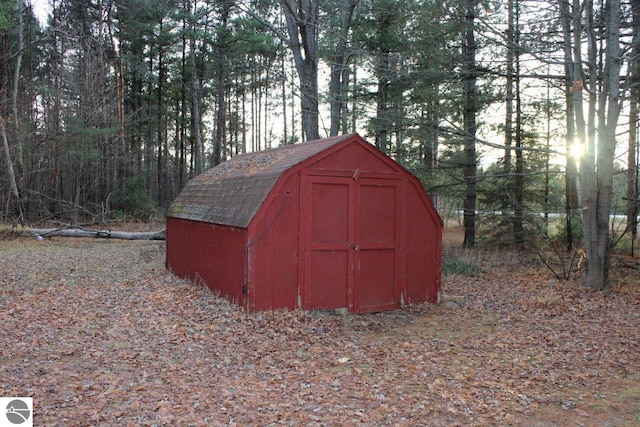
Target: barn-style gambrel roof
{"type": "Point", "coordinates": [232, 192]}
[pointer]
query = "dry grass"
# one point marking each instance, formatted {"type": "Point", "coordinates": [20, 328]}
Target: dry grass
{"type": "Point", "coordinates": [484, 257]}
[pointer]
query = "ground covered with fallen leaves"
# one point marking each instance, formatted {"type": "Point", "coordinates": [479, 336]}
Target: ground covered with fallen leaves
{"type": "Point", "coordinates": [99, 333]}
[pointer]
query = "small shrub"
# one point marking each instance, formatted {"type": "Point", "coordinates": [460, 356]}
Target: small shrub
{"type": "Point", "coordinates": [454, 265]}
{"type": "Point", "coordinates": [133, 199]}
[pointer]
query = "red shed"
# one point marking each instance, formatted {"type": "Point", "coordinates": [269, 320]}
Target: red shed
{"type": "Point", "coordinates": [326, 224]}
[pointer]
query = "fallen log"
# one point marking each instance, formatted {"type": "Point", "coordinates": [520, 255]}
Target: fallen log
{"type": "Point", "coordinates": [103, 234]}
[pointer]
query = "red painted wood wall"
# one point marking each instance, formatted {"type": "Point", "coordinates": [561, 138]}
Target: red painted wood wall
{"type": "Point", "coordinates": [208, 254]}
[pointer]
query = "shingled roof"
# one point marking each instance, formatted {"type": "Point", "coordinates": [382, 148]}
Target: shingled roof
{"type": "Point", "coordinates": [232, 192]}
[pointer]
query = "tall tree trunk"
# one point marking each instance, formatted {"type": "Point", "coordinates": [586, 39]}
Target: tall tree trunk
{"type": "Point", "coordinates": [632, 171]}
{"type": "Point", "coordinates": [518, 217]}
{"type": "Point", "coordinates": [254, 125]}
{"type": "Point", "coordinates": [589, 199]}
{"type": "Point", "coordinates": [354, 104]}
{"type": "Point", "coordinates": [181, 108]}
{"type": "Point", "coordinates": [55, 128]}
{"type": "Point", "coordinates": [293, 110]}
{"type": "Point", "coordinates": [399, 126]}
{"type": "Point", "coordinates": [547, 156]}
{"type": "Point", "coordinates": [344, 110]}
{"type": "Point", "coordinates": [160, 117]}
{"type": "Point", "coordinates": [382, 110]}
{"type": "Point", "coordinates": [509, 95]}
{"type": "Point", "coordinates": [431, 142]}
{"type": "Point", "coordinates": [198, 149]}
{"type": "Point", "coordinates": [571, 189]}
{"type": "Point", "coordinates": [302, 27]}
{"type": "Point", "coordinates": [267, 85]}
{"type": "Point", "coordinates": [17, 69]}
{"type": "Point", "coordinates": [597, 173]}
{"type": "Point", "coordinates": [221, 68]}
{"type": "Point", "coordinates": [632, 157]}
{"type": "Point", "coordinates": [470, 110]}
{"type": "Point", "coordinates": [283, 88]}
{"type": "Point", "coordinates": [4, 83]}
{"type": "Point", "coordinates": [433, 133]}
{"type": "Point", "coordinates": [148, 137]}
{"type": "Point", "coordinates": [13, 187]}
{"type": "Point", "coordinates": [119, 87]}
{"type": "Point", "coordinates": [258, 113]}
{"type": "Point", "coordinates": [340, 61]}
{"type": "Point", "coordinates": [244, 120]}
{"type": "Point", "coordinates": [105, 172]}
{"type": "Point", "coordinates": [16, 90]}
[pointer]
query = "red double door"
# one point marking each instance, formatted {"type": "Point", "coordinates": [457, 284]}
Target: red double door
{"type": "Point", "coordinates": [351, 243]}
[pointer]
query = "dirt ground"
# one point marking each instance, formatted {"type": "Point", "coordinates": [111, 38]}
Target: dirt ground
{"type": "Point", "coordinates": [99, 333]}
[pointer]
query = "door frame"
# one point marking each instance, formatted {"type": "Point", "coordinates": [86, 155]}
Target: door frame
{"type": "Point", "coordinates": [398, 275]}
{"type": "Point", "coordinates": [354, 286]}
{"type": "Point", "coordinates": [306, 245]}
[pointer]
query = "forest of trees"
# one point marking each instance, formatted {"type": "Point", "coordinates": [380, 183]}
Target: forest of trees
{"type": "Point", "coordinates": [109, 107]}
